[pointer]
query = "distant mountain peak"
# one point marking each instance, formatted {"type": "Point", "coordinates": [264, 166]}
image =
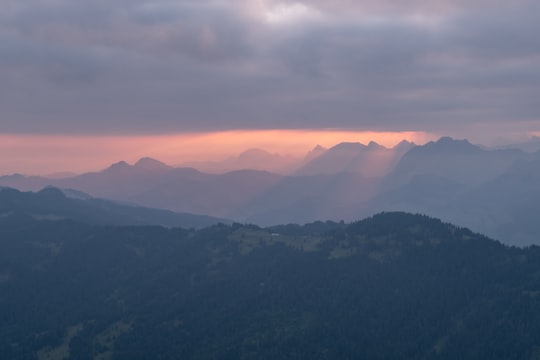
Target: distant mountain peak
{"type": "Point", "coordinates": [450, 140]}
{"type": "Point", "coordinates": [148, 163]}
{"type": "Point", "coordinates": [348, 146]}
{"type": "Point", "coordinates": [447, 143]}
{"type": "Point", "coordinates": [119, 165]}
{"type": "Point", "coordinates": [404, 143]}
{"type": "Point", "coordinates": [252, 153]}
{"type": "Point", "coordinates": [404, 146]}
{"type": "Point", "coordinates": [372, 145]}
{"type": "Point", "coordinates": [314, 153]}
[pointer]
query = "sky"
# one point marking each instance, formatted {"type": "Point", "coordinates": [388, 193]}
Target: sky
{"type": "Point", "coordinates": [76, 73]}
{"type": "Point", "coordinates": [78, 154]}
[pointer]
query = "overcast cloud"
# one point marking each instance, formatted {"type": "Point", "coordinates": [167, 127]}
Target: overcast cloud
{"type": "Point", "coordinates": [134, 66]}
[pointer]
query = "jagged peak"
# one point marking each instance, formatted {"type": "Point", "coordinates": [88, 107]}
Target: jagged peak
{"type": "Point", "coordinates": [348, 146]}
{"type": "Point", "coordinates": [373, 145]}
{"type": "Point", "coordinates": [448, 143]}
{"type": "Point", "coordinates": [315, 153]}
{"type": "Point", "coordinates": [404, 144]}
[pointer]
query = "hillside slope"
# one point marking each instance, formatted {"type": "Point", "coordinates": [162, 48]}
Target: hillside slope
{"type": "Point", "coordinates": [53, 204]}
{"type": "Point", "coordinates": [395, 286]}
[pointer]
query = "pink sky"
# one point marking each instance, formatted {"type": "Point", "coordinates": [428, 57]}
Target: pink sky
{"type": "Point", "coordinates": [47, 154]}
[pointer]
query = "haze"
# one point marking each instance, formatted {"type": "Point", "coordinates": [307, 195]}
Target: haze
{"type": "Point", "coordinates": [48, 154]}
{"type": "Point", "coordinates": [84, 83]}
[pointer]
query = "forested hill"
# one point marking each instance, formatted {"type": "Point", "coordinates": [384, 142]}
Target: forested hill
{"type": "Point", "coordinates": [53, 204]}
{"type": "Point", "coordinates": [394, 286]}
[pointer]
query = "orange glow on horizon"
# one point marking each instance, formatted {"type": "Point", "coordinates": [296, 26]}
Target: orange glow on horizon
{"type": "Point", "coordinates": [46, 154]}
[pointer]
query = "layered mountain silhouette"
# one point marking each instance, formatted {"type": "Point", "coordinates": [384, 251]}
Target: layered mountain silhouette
{"type": "Point", "coordinates": [456, 160]}
{"type": "Point", "coordinates": [489, 190]}
{"type": "Point", "coordinates": [463, 183]}
{"type": "Point", "coordinates": [253, 159]}
{"type": "Point", "coordinates": [55, 204]}
{"type": "Point", "coordinates": [372, 160]}
{"type": "Point", "coordinates": [531, 145]}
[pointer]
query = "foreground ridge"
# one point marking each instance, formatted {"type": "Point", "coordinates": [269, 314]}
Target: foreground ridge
{"type": "Point", "coordinates": [394, 285]}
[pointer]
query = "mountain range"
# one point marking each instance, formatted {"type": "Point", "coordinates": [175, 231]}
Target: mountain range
{"type": "Point", "coordinates": [492, 191]}
{"type": "Point", "coordinates": [372, 160]}
{"type": "Point", "coordinates": [253, 159]}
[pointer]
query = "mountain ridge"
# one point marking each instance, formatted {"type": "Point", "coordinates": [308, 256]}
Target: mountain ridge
{"type": "Point", "coordinates": [325, 289]}
{"type": "Point", "coordinates": [52, 203]}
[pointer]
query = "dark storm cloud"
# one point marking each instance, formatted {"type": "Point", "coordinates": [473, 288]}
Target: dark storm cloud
{"type": "Point", "coordinates": [167, 66]}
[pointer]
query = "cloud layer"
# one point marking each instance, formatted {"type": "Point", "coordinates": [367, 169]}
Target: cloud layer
{"type": "Point", "coordinates": [134, 66]}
